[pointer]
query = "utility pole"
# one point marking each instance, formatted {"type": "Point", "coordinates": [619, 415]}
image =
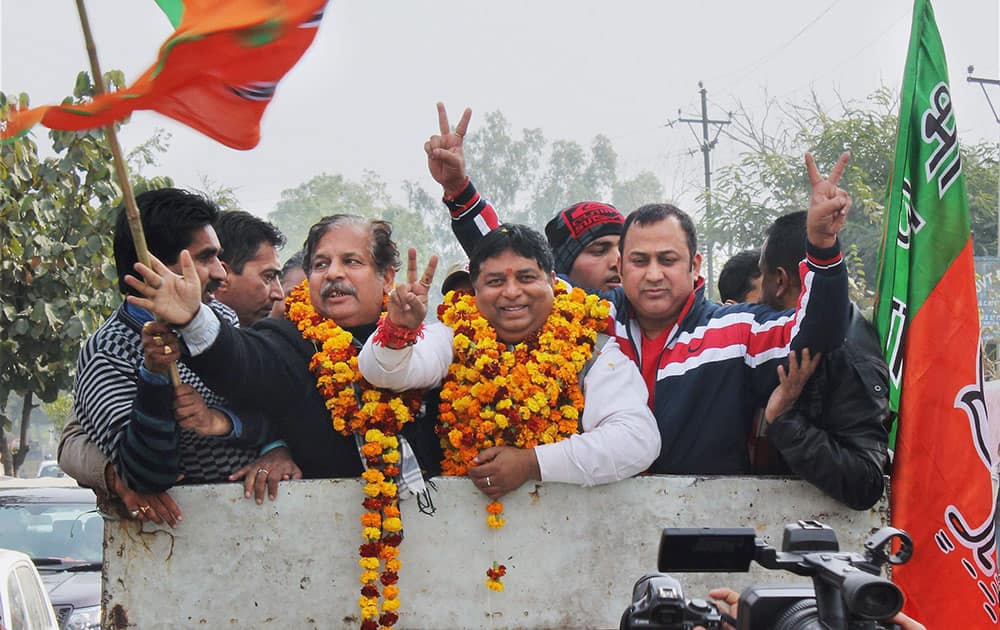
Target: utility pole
{"type": "Point", "coordinates": [983, 82]}
{"type": "Point", "coordinates": [706, 149]}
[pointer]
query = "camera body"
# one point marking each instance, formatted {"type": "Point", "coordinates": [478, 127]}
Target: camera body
{"type": "Point", "coordinates": [847, 592]}
{"type": "Point", "coordinates": [658, 602]}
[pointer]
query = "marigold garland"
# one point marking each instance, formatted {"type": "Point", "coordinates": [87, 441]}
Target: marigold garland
{"type": "Point", "coordinates": [378, 415]}
{"type": "Point", "coordinates": [522, 396]}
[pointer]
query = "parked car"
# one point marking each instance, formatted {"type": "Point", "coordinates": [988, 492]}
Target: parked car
{"type": "Point", "coordinates": [60, 529]}
{"type": "Point", "coordinates": [23, 600]}
{"type": "Point", "coordinates": [50, 468]}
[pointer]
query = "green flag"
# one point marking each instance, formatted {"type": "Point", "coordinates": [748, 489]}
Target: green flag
{"type": "Point", "coordinates": [926, 314]}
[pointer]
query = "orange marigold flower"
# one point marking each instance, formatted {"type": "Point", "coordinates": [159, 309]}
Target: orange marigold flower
{"type": "Point", "coordinates": [495, 507]}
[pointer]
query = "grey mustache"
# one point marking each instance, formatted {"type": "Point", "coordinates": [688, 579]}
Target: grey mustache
{"type": "Point", "coordinates": [336, 287]}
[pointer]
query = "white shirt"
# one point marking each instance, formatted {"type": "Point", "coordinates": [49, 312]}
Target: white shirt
{"type": "Point", "coordinates": [620, 437]}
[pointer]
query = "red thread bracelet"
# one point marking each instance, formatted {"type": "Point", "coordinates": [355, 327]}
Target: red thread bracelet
{"type": "Point", "coordinates": [392, 336]}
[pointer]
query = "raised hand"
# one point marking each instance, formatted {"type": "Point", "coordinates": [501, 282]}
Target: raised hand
{"type": "Point", "coordinates": [170, 298]}
{"type": "Point", "coordinates": [408, 301]}
{"type": "Point", "coordinates": [790, 383]}
{"type": "Point", "coordinates": [445, 156]}
{"type": "Point", "coordinates": [828, 205]}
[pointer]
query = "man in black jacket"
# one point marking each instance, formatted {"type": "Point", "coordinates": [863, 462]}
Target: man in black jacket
{"type": "Point", "coordinates": [351, 264]}
{"type": "Point", "coordinates": [827, 417]}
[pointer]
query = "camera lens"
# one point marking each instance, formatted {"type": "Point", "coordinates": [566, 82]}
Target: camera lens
{"type": "Point", "coordinates": [871, 596]}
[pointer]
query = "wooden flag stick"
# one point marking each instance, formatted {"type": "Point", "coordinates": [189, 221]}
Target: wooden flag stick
{"type": "Point", "coordinates": [131, 208]}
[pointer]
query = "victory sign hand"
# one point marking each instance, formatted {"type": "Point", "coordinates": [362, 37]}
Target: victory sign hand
{"type": "Point", "coordinates": [828, 205]}
{"type": "Point", "coordinates": [408, 301]}
{"type": "Point", "coordinates": [445, 156]}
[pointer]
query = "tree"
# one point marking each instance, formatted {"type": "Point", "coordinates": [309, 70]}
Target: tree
{"type": "Point", "coordinates": [507, 172]}
{"type": "Point", "coordinates": [768, 179]}
{"type": "Point", "coordinates": [56, 269]}
{"type": "Point", "coordinates": [572, 177]}
{"type": "Point", "coordinates": [325, 194]}
{"type": "Point", "coordinates": [642, 189]}
{"type": "Point", "coordinates": [322, 195]}
{"type": "Point", "coordinates": [502, 165]}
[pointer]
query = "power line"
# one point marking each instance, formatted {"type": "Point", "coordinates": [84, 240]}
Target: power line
{"type": "Point", "coordinates": [767, 57]}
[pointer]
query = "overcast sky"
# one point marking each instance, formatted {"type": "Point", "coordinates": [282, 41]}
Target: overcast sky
{"type": "Point", "coordinates": [363, 96]}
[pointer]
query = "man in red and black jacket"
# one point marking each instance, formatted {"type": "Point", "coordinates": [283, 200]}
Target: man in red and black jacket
{"type": "Point", "coordinates": [707, 366]}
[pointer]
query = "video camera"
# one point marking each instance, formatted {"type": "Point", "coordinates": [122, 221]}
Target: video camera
{"type": "Point", "coordinates": [847, 593]}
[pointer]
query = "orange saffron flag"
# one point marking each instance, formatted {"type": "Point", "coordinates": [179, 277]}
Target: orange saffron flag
{"type": "Point", "coordinates": [216, 73]}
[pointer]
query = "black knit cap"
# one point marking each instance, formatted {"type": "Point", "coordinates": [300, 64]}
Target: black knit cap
{"type": "Point", "coordinates": [570, 231]}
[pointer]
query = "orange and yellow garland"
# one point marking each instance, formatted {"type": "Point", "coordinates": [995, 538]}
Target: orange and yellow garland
{"type": "Point", "coordinates": [522, 396]}
{"type": "Point", "coordinates": [378, 415]}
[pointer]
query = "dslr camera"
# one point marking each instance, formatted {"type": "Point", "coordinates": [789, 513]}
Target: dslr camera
{"type": "Point", "coordinates": [848, 591]}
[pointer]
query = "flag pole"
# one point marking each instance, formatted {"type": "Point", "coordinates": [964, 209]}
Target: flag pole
{"type": "Point", "coordinates": [131, 208]}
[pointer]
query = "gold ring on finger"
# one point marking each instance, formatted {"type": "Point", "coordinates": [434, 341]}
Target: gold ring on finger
{"type": "Point", "coordinates": [167, 350]}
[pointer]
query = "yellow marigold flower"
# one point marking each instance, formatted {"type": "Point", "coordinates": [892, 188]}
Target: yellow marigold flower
{"type": "Point", "coordinates": [371, 533]}
{"type": "Point", "coordinates": [388, 488]}
{"type": "Point", "coordinates": [494, 585]}
{"type": "Point", "coordinates": [392, 524]}
{"type": "Point", "coordinates": [370, 612]}
{"type": "Point", "coordinates": [368, 563]}
{"type": "Point", "coordinates": [373, 435]}
{"type": "Point", "coordinates": [390, 605]}
{"type": "Point", "coordinates": [569, 412]}
{"type": "Point", "coordinates": [391, 592]}
{"type": "Point", "coordinates": [364, 602]}
{"type": "Point", "coordinates": [389, 441]}
{"type": "Point", "coordinates": [367, 577]}
{"type": "Point", "coordinates": [455, 438]}
{"type": "Point", "coordinates": [372, 475]}
{"type": "Point", "coordinates": [393, 565]}
{"type": "Point", "coordinates": [338, 425]}
{"type": "Point", "coordinates": [392, 457]}
{"type": "Point", "coordinates": [504, 404]}
{"type": "Point", "coordinates": [461, 342]}
{"type": "Point", "coordinates": [372, 489]}
{"type": "Point", "coordinates": [495, 521]}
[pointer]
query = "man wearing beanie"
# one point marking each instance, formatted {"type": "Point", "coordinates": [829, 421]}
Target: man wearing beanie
{"type": "Point", "coordinates": [584, 238]}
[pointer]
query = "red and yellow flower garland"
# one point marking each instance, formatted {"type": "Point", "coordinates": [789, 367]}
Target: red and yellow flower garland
{"type": "Point", "coordinates": [521, 396]}
{"type": "Point", "coordinates": [358, 407]}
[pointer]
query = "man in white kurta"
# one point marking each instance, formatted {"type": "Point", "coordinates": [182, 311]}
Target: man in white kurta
{"type": "Point", "coordinates": [514, 282]}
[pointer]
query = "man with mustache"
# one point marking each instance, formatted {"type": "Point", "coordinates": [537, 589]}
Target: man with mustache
{"type": "Point", "coordinates": [350, 263]}
{"type": "Point", "coordinates": [148, 431]}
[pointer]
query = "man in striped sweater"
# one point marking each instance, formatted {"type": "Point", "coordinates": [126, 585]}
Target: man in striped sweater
{"type": "Point", "coordinates": [151, 434]}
